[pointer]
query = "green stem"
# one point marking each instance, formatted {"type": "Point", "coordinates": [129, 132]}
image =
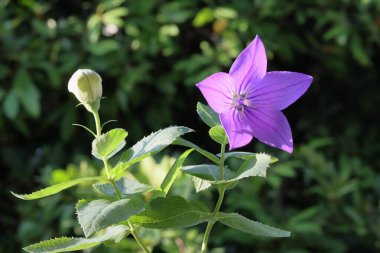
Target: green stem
{"type": "Point", "coordinates": [212, 222]}
{"type": "Point", "coordinates": [137, 238]}
{"type": "Point", "coordinates": [106, 165]}
{"type": "Point", "coordinates": [116, 189]}
{"type": "Point", "coordinates": [221, 163]}
{"type": "Point", "coordinates": [221, 190]}
{"type": "Point", "coordinates": [97, 123]}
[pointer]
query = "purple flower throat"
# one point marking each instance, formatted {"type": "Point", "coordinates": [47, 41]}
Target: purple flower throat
{"type": "Point", "coordinates": [240, 101]}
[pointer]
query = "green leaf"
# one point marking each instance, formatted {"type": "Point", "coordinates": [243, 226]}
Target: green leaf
{"type": "Point", "coordinates": [245, 155]}
{"type": "Point", "coordinates": [11, 105]}
{"type": "Point", "coordinates": [218, 134]}
{"type": "Point", "coordinates": [185, 143]}
{"type": "Point", "coordinates": [102, 47]}
{"type": "Point", "coordinates": [201, 184]}
{"type": "Point", "coordinates": [98, 214]}
{"type": "Point", "coordinates": [256, 166]}
{"type": "Point", "coordinates": [125, 186]}
{"type": "Point", "coordinates": [224, 12]}
{"type": "Point", "coordinates": [239, 222]}
{"type": "Point", "coordinates": [171, 175]}
{"type": "Point", "coordinates": [149, 145]}
{"type": "Point", "coordinates": [208, 116]}
{"type": "Point", "coordinates": [108, 144]}
{"type": "Point", "coordinates": [115, 16]}
{"type": "Point", "coordinates": [55, 188]}
{"type": "Point", "coordinates": [204, 16]}
{"type": "Point", "coordinates": [172, 212]}
{"type": "Point", "coordinates": [66, 244]}
{"type": "Point", "coordinates": [27, 93]}
{"type": "Point", "coordinates": [208, 172]}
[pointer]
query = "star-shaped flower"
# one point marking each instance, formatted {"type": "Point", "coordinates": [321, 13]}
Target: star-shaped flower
{"type": "Point", "coordinates": [249, 99]}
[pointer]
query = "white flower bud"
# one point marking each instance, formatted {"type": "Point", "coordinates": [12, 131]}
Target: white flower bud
{"type": "Point", "coordinates": [86, 85]}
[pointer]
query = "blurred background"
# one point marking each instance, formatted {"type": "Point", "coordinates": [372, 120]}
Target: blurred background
{"type": "Point", "coordinates": [150, 55]}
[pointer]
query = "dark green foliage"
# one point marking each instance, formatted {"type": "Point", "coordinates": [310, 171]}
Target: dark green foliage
{"type": "Point", "coordinates": [150, 55]}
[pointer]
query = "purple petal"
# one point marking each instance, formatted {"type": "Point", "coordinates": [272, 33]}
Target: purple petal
{"type": "Point", "coordinates": [218, 89]}
{"type": "Point", "coordinates": [279, 89]}
{"type": "Point", "coordinates": [270, 127]}
{"type": "Point", "coordinates": [236, 127]}
{"type": "Point", "coordinates": [250, 66]}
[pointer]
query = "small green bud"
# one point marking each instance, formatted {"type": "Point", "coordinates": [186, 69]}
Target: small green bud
{"type": "Point", "coordinates": [86, 85]}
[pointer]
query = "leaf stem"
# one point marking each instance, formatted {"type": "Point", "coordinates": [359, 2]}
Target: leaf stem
{"type": "Point", "coordinates": [221, 191]}
{"type": "Point", "coordinates": [107, 167]}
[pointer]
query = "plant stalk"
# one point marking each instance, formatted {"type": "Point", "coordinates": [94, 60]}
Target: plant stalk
{"type": "Point", "coordinates": [97, 123]}
{"type": "Point", "coordinates": [221, 191]}
{"type": "Point", "coordinates": [221, 163]}
{"type": "Point", "coordinates": [106, 165]}
{"type": "Point", "coordinates": [212, 222]}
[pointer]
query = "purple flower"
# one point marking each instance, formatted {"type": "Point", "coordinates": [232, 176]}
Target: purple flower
{"type": "Point", "coordinates": [249, 99]}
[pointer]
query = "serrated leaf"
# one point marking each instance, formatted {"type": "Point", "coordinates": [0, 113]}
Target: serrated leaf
{"type": "Point", "coordinates": [207, 115]}
{"type": "Point", "coordinates": [66, 244]}
{"type": "Point", "coordinates": [172, 212]}
{"type": "Point", "coordinates": [172, 173]}
{"type": "Point", "coordinates": [149, 145]}
{"type": "Point", "coordinates": [125, 186]}
{"type": "Point", "coordinates": [256, 166]}
{"type": "Point", "coordinates": [98, 214]}
{"type": "Point", "coordinates": [56, 188]}
{"type": "Point", "coordinates": [208, 172]}
{"type": "Point", "coordinates": [185, 143]}
{"type": "Point", "coordinates": [244, 155]}
{"type": "Point", "coordinates": [201, 184]}
{"type": "Point", "coordinates": [108, 144]}
{"type": "Point", "coordinates": [241, 223]}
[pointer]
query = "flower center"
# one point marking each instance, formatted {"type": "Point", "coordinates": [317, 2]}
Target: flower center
{"type": "Point", "coordinates": [239, 101]}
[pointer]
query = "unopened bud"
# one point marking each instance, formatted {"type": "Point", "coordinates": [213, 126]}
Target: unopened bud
{"type": "Point", "coordinates": [86, 85]}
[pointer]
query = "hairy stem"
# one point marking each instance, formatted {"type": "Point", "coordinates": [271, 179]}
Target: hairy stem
{"type": "Point", "coordinates": [106, 165]}
{"type": "Point", "coordinates": [221, 191]}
